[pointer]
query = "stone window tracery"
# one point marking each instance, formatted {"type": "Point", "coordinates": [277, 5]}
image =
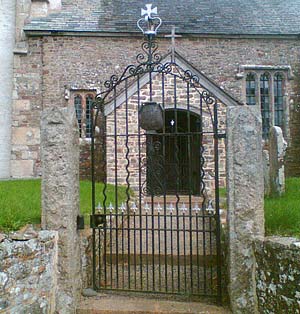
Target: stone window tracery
{"type": "Point", "coordinates": [250, 89]}
{"type": "Point", "coordinates": [83, 107]}
{"type": "Point", "coordinates": [267, 89]}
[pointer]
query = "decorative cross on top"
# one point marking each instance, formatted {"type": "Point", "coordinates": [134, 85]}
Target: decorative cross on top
{"type": "Point", "coordinates": [149, 11]}
{"type": "Point", "coordinates": [150, 21]}
{"type": "Point", "coordinates": [173, 36]}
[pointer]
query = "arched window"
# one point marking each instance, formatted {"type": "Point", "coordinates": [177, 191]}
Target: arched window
{"type": "Point", "coordinates": [250, 89]}
{"type": "Point", "coordinates": [78, 109]}
{"type": "Point", "coordinates": [265, 103]}
{"type": "Point", "coordinates": [278, 100]}
{"type": "Point", "coordinates": [83, 102]}
{"type": "Point", "coordinates": [88, 116]}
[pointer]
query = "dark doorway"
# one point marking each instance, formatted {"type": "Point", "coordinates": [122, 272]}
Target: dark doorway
{"type": "Point", "coordinates": [173, 155]}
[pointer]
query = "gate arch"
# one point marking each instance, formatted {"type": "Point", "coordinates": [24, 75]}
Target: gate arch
{"type": "Point", "coordinates": [152, 235]}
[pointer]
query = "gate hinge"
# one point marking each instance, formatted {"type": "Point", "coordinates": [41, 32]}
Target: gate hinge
{"type": "Point", "coordinates": [221, 135]}
{"type": "Point", "coordinates": [80, 222]}
{"type": "Point", "coordinates": [98, 220]}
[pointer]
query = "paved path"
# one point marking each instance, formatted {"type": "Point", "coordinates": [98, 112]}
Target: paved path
{"type": "Point", "coordinates": [117, 304]}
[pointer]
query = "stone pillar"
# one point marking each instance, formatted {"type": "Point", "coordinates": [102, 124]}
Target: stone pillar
{"type": "Point", "coordinates": [7, 43]}
{"type": "Point", "coordinates": [60, 198]}
{"type": "Point", "coordinates": [277, 148]}
{"type": "Point", "coordinates": [245, 203]}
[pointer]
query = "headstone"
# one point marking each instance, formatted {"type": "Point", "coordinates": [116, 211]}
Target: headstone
{"type": "Point", "coordinates": [245, 202]}
{"type": "Point", "coordinates": [266, 165]}
{"type": "Point", "coordinates": [277, 152]}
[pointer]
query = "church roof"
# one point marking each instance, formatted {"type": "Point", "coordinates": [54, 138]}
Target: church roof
{"type": "Point", "coordinates": [207, 17]}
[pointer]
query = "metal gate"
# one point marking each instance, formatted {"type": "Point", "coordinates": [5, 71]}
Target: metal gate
{"type": "Point", "coordinates": [155, 216]}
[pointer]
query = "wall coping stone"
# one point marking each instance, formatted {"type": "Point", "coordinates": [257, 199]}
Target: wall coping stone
{"type": "Point", "coordinates": [285, 243]}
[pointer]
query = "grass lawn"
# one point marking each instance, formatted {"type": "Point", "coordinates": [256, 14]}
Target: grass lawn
{"type": "Point", "coordinates": [282, 214]}
{"type": "Point", "coordinates": [20, 201]}
{"type": "Point", "coordinates": [20, 204]}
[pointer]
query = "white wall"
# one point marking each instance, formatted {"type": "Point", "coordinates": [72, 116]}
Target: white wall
{"type": "Point", "coordinates": [7, 43]}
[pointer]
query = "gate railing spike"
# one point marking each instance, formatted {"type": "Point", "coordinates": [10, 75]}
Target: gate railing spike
{"type": "Point", "coordinates": [111, 208]}
{"type": "Point", "coordinates": [99, 208]}
{"type": "Point", "coordinates": [134, 207]}
{"type": "Point", "coordinates": [196, 207]}
{"type": "Point", "coordinates": [147, 208]}
{"type": "Point", "coordinates": [158, 207]}
{"type": "Point", "coordinates": [171, 207]}
{"type": "Point", "coordinates": [183, 207]}
{"type": "Point", "coordinates": [122, 208]}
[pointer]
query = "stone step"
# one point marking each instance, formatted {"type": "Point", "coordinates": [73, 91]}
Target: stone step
{"type": "Point", "coordinates": [120, 304]}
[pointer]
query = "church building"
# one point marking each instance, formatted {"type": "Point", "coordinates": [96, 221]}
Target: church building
{"type": "Point", "coordinates": [61, 52]}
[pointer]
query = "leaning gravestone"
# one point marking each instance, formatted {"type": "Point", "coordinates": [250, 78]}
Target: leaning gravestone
{"type": "Point", "coordinates": [277, 151]}
{"type": "Point", "coordinates": [266, 167]}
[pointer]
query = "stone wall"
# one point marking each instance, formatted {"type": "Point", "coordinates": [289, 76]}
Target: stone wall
{"type": "Point", "coordinates": [51, 66]}
{"type": "Point", "coordinates": [278, 275]}
{"type": "Point", "coordinates": [28, 273]}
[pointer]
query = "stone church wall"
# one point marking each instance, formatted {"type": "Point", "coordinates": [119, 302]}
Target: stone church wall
{"type": "Point", "coordinates": [59, 63]}
{"type": "Point", "coordinates": [168, 101]}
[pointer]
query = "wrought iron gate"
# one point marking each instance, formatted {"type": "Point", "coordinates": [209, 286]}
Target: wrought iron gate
{"type": "Point", "coordinates": [155, 218]}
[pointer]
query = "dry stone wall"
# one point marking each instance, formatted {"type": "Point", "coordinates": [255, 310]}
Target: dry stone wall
{"type": "Point", "coordinates": [28, 273]}
{"type": "Point", "coordinates": [278, 275]}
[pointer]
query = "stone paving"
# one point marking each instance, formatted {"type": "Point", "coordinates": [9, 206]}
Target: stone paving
{"type": "Point", "coordinates": [119, 304]}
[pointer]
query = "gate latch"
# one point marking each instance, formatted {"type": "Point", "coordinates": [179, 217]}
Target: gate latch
{"type": "Point", "coordinates": [98, 220]}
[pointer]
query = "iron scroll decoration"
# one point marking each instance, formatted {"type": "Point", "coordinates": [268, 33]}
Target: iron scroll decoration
{"type": "Point", "coordinates": [151, 118]}
{"type": "Point", "coordinates": [149, 60]}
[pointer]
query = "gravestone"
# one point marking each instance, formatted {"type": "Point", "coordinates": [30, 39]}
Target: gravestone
{"type": "Point", "coordinates": [277, 152]}
{"type": "Point", "coordinates": [266, 165]}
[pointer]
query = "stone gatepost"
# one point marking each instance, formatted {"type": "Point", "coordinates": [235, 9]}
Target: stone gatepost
{"type": "Point", "coordinates": [277, 151]}
{"type": "Point", "coordinates": [245, 184]}
{"type": "Point", "coordinates": [60, 198]}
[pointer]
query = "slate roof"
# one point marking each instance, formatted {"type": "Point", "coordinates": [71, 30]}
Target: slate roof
{"type": "Point", "coordinates": [232, 17]}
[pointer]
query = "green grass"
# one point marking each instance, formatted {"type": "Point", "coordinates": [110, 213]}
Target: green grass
{"type": "Point", "coordinates": [282, 214]}
{"type": "Point", "coordinates": [20, 205]}
{"type": "Point", "coordinates": [20, 201]}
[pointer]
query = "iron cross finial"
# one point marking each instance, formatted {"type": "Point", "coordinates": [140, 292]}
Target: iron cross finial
{"type": "Point", "coordinates": [173, 36]}
{"type": "Point", "coordinates": [148, 13]}
{"type": "Point", "coordinates": [150, 21]}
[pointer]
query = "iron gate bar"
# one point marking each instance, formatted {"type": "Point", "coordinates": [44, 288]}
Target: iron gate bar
{"type": "Point", "coordinates": [217, 195]}
{"type": "Point", "coordinates": [181, 259]}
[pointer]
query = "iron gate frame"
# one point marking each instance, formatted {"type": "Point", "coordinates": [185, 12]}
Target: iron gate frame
{"type": "Point", "coordinates": [149, 62]}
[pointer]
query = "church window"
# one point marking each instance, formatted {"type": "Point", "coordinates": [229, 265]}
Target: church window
{"type": "Point", "coordinates": [265, 103]}
{"type": "Point", "coordinates": [83, 102]}
{"type": "Point", "coordinates": [88, 116]}
{"type": "Point", "coordinates": [78, 110]}
{"type": "Point", "coordinates": [278, 100]}
{"type": "Point", "coordinates": [266, 89]}
{"type": "Point", "coordinates": [250, 89]}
